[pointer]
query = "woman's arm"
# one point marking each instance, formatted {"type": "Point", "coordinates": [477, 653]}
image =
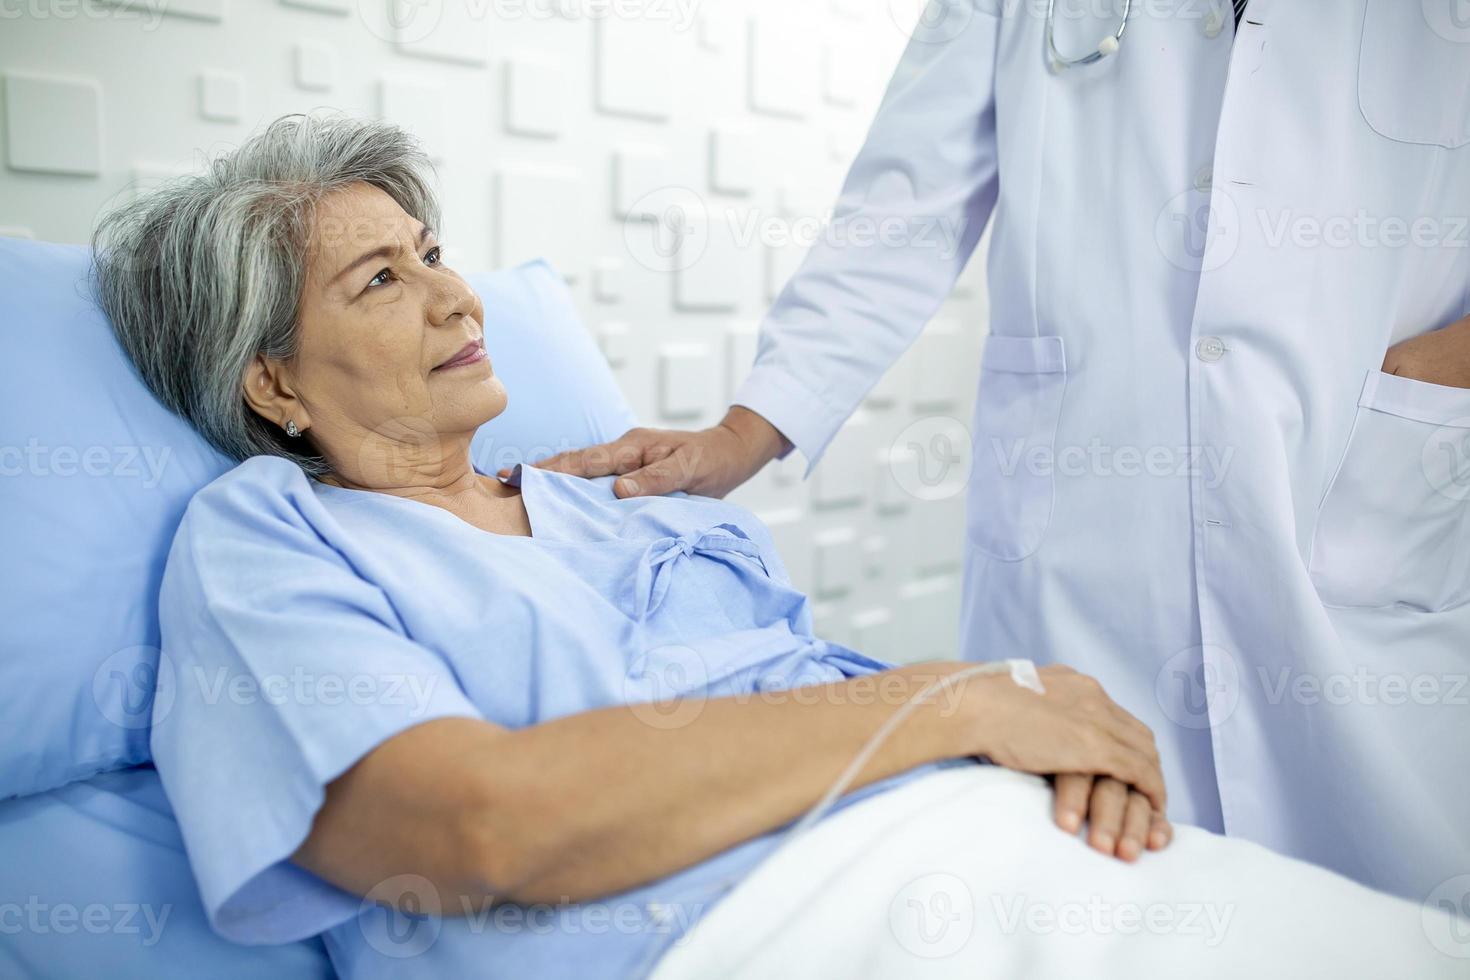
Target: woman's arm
{"type": "Point", "coordinates": [598, 802]}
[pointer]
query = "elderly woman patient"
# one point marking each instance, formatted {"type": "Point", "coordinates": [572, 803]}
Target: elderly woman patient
{"type": "Point", "coordinates": [484, 723]}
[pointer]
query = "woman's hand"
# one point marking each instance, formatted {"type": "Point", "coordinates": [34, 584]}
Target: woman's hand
{"type": "Point", "coordinates": [710, 462]}
{"type": "Point", "coordinates": [1104, 760]}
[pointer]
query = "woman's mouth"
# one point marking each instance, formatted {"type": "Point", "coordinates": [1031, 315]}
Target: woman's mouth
{"type": "Point", "coordinates": [471, 353]}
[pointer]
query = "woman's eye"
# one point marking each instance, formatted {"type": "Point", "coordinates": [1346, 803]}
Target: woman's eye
{"type": "Point", "coordinates": [434, 256]}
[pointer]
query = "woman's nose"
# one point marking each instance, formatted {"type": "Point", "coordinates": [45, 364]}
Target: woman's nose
{"type": "Point", "coordinates": [451, 297]}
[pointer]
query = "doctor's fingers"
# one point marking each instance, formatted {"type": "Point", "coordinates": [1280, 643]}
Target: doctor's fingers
{"type": "Point", "coordinates": [634, 449]}
{"type": "Point", "coordinates": [675, 470]}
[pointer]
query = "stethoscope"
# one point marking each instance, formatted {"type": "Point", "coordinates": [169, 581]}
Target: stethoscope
{"type": "Point", "coordinates": [1107, 46]}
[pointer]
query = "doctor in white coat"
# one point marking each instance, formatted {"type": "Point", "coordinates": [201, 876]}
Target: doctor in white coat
{"type": "Point", "coordinates": [1221, 445]}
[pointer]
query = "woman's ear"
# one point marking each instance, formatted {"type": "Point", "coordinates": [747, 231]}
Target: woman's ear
{"type": "Point", "coordinates": [269, 392]}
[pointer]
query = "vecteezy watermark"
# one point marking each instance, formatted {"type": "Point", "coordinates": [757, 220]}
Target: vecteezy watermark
{"type": "Point", "coordinates": [148, 13]}
{"type": "Point", "coordinates": [1210, 464]}
{"type": "Point", "coordinates": [1450, 19]}
{"type": "Point", "coordinates": [931, 21]}
{"type": "Point", "coordinates": [145, 463]}
{"type": "Point", "coordinates": [1361, 686]}
{"type": "Point", "coordinates": [1098, 916]}
{"type": "Point", "coordinates": [1201, 687]}
{"type": "Point", "coordinates": [933, 916]}
{"type": "Point", "coordinates": [931, 458]}
{"type": "Point", "coordinates": [669, 229]}
{"type": "Point", "coordinates": [403, 916]}
{"type": "Point", "coordinates": [413, 21]}
{"type": "Point", "coordinates": [664, 686]}
{"type": "Point", "coordinates": [38, 917]}
{"type": "Point", "coordinates": [667, 687]}
{"type": "Point", "coordinates": [1446, 917]}
{"type": "Point", "coordinates": [1446, 459]}
{"type": "Point", "coordinates": [135, 687]}
{"type": "Point", "coordinates": [300, 686]}
{"type": "Point", "coordinates": [1198, 232]}
{"type": "Point", "coordinates": [1361, 229]}
{"type": "Point", "coordinates": [1198, 687]}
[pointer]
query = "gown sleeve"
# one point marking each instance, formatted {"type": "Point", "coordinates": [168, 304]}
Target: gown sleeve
{"type": "Point", "coordinates": [281, 668]}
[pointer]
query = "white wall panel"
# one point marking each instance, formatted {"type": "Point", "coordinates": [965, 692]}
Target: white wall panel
{"type": "Point", "coordinates": [417, 106]}
{"type": "Point", "coordinates": [633, 68]}
{"type": "Point", "coordinates": [527, 205]}
{"type": "Point", "coordinates": [535, 97]}
{"type": "Point", "coordinates": [53, 124]}
{"type": "Point", "coordinates": [221, 96]}
{"type": "Point", "coordinates": [316, 66]}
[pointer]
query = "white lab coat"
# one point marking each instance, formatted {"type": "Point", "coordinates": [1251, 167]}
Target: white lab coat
{"type": "Point", "coordinates": [1189, 476]}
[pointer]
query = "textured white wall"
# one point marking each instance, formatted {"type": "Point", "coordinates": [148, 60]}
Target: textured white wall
{"type": "Point", "coordinates": [559, 127]}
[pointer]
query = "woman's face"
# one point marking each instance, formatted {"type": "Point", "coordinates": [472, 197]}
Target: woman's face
{"type": "Point", "coordinates": [391, 375]}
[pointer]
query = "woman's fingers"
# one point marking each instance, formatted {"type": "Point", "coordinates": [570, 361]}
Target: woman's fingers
{"type": "Point", "coordinates": [1109, 801]}
{"type": "Point", "coordinates": [1160, 832]}
{"type": "Point", "coordinates": [1135, 827]}
{"type": "Point", "coordinates": [1073, 789]}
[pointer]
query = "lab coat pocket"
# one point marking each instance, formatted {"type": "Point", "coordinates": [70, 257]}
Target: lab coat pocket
{"type": "Point", "coordinates": [1414, 71]}
{"type": "Point", "coordinates": [1013, 438]}
{"type": "Point", "coordinates": [1394, 527]}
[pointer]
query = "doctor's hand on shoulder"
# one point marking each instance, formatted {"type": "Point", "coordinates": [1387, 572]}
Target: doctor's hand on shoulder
{"type": "Point", "coordinates": [709, 462]}
{"type": "Point", "coordinates": [1439, 357]}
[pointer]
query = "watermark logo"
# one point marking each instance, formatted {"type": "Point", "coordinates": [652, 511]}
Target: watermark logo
{"type": "Point", "coordinates": [401, 21]}
{"type": "Point", "coordinates": [395, 917]}
{"type": "Point", "coordinates": [1446, 917]}
{"type": "Point", "coordinates": [1450, 19]}
{"type": "Point", "coordinates": [1198, 687]}
{"type": "Point", "coordinates": [931, 21]}
{"type": "Point", "coordinates": [667, 230]}
{"type": "Point", "coordinates": [1198, 233]}
{"type": "Point", "coordinates": [933, 916]}
{"type": "Point", "coordinates": [664, 686]}
{"type": "Point", "coordinates": [1446, 459]}
{"type": "Point", "coordinates": [135, 687]}
{"type": "Point", "coordinates": [931, 459]}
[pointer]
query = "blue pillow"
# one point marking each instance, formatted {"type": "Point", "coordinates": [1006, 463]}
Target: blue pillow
{"type": "Point", "coordinates": [95, 475]}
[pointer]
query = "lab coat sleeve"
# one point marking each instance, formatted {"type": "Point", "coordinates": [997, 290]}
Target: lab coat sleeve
{"type": "Point", "coordinates": [907, 219]}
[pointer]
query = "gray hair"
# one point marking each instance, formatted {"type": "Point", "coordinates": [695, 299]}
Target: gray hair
{"type": "Point", "coordinates": [206, 272]}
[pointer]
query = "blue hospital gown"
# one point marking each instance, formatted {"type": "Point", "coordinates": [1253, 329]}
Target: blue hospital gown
{"type": "Point", "coordinates": [305, 624]}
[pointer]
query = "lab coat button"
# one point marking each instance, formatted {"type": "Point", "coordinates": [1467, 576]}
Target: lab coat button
{"type": "Point", "coordinates": [1205, 178]}
{"type": "Point", "coordinates": [1213, 23]}
{"type": "Point", "coordinates": [1209, 349]}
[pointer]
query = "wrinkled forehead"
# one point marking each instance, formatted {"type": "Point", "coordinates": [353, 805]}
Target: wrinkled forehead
{"type": "Point", "coordinates": [352, 220]}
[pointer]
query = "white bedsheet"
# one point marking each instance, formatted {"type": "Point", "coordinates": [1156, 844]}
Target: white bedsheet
{"type": "Point", "coordinates": [963, 874]}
